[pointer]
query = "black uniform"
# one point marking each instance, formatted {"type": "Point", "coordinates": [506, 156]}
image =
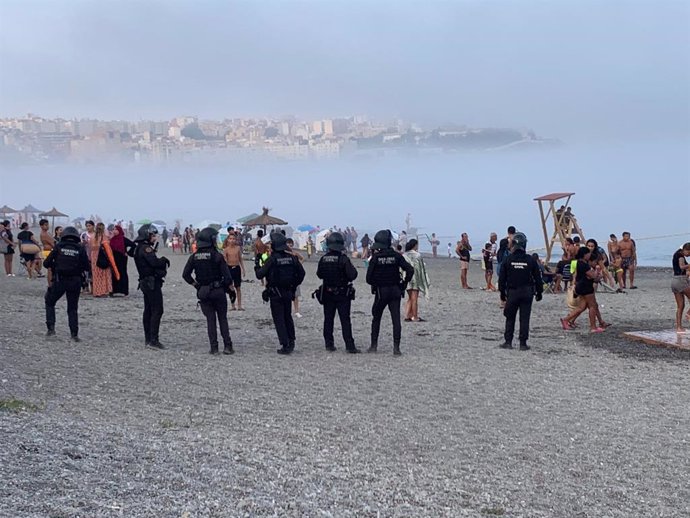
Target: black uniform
{"type": "Point", "coordinates": [337, 272]}
{"type": "Point", "coordinates": [384, 276]}
{"type": "Point", "coordinates": [152, 271]}
{"type": "Point", "coordinates": [212, 281]}
{"type": "Point", "coordinates": [519, 280]}
{"type": "Point", "coordinates": [68, 261]}
{"type": "Point", "coordinates": [283, 273]}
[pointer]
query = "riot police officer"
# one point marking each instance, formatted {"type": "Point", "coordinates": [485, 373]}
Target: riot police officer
{"type": "Point", "coordinates": [519, 281]}
{"type": "Point", "coordinates": [383, 274]}
{"type": "Point", "coordinates": [212, 281]}
{"type": "Point", "coordinates": [152, 271]}
{"type": "Point", "coordinates": [68, 262]}
{"type": "Point", "coordinates": [337, 292]}
{"type": "Point", "coordinates": [283, 273]}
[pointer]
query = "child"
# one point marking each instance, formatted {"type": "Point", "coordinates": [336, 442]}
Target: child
{"type": "Point", "coordinates": [450, 255]}
{"type": "Point", "coordinates": [488, 266]}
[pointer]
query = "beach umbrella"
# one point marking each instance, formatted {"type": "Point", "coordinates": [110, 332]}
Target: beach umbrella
{"type": "Point", "coordinates": [208, 223]}
{"type": "Point", "coordinates": [144, 222]}
{"type": "Point", "coordinates": [79, 219]}
{"type": "Point", "coordinates": [247, 218]}
{"type": "Point", "coordinates": [159, 223]}
{"type": "Point", "coordinates": [306, 228]}
{"type": "Point", "coordinates": [53, 213]}
{"type": "Point", "coordinates": [29, 209]}
{"type": "Point", "coordinates": [5, 210]}
{"type": "Point", "coordinates": [264, 220]}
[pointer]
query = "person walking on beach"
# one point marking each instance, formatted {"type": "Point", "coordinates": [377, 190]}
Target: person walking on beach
{"type": "Point", "coordinates": [7, 246]}
{"type": "Point", "coordinates": [29, 250]}
{"type": "Point", "coordinates": [152, 271]}
{"type": "Point", "coordinates": [283, 273]}
{"type": "Point", "coordinates": [337, 293]}
{"type": "Point", "coordinates": [67, 262]}
{"type": "Point", "coordinates": [520, 281]}
{"type": "Point", "coordinates": [434, 242]}
{"type": "Point", "coordinates": [383, 275]}
{"type": "Point", "coordinates": [418, 284]}
{"type": "Point", "coordinates": [681, 284]}
{"type": "Point", "coordinates": [585, 277]}
{"type": "Point", "coordinates": [212, 280]}
{"type": "Point", "coordinates": [232, 252]}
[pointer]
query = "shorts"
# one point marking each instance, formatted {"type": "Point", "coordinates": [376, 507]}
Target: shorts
{"type": "Point", "coordinates": [45, 254]}
{"type": "Point", "coordinates": [627, 263]}
{"type": "Point", "coordinates": [464, 265]}
{"type": "Point", "coordinates": [584, 289]}
{"type": "Point", "coordinates": [488, 265]}
{"type": "Point", "coordinates": [615, 270]}
{"type": "Point", "coordinates": [236, 274]}
{"type": "Point", "coordinates": [27, 257]}
{"type": "Point", "coordinates": [10, 250]}
{"type": "Point", "coordinates": [680, 283]}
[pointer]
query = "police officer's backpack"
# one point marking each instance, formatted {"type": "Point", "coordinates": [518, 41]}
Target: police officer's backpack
{"type": "Point", "coordinates": [67, 260]}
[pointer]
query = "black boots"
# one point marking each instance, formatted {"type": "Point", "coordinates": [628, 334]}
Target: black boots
{"type": "Point", "coordinates": [373, 347]}
{"type": "Point", "coordinates": [50, 332]}
{"type": "Point", "coordinates": [331, 347]}
{"type": "Point", "coordinates": [155, 344]}
{"type": "Point", "coordinates": [228, 349]}
{"type": "Point", "coordinates": [75, 338]}
{"type": "Point", "coordinates": [524, 346]}
{"type": "Point", "coordinates": [396, 349]}
{"type": "Point", "coordinates": [353, 350]}
{"type": "Point", "coordinates": [506, 345]}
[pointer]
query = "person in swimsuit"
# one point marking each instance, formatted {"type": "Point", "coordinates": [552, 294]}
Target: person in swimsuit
{"type": "Point", "coordinates": [26, 242]}
{"type": "Point", "coordinates": [628, 252]}
{"type": "Point", "coordinates": [47, 243]}
{"type": "Point", "coordinates": [232, 252]}
{"type": "Point", "coordinates": [680, 286]}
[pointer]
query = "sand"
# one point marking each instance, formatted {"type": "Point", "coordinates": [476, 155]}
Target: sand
{"type": "Point", "coordinates": [580, 426]}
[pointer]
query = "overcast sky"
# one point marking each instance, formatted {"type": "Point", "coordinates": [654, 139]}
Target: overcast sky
{"type": "Point", "coordinates": [570, 69]}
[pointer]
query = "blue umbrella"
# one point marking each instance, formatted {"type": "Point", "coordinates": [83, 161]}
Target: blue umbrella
{"type": "Point", "coordinates": [306, 228]}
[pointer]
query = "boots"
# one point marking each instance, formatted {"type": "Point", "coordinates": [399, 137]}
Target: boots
{"type": "Point", "coordinates": [524, 346]}
{"type": "Point", "coordinates": [330, 347]}
{"type": "Point", "coordinates": [396, 349]}
{"type": "Point", "coordinates": [372, 347]}
{"type": "Point", "coordinates": [506, 345]}
{"type": "Point", "coordinates": [50, 332]}
{"type": "Point", "coordinates": [228, 349]}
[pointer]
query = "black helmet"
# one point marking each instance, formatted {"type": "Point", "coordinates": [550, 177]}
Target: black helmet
{"type": "Point", "coordinates": [382, 240]}
{"type": "Point", "coordinates": [145, 232]}
{"type": "Point", "coordinates": [335, 241]}
{"type": "Point", "coordinates": [70, 234]}
{"type": "Point", "coordinates": [520, 241]}
{"type": "Point", "coordinates": [206, 238]}
{"type": "Point", "coordinates": [278, 242]}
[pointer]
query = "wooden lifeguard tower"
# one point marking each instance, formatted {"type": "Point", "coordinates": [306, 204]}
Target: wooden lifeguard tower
{"type": "Point", "coordinates": [564, 222]}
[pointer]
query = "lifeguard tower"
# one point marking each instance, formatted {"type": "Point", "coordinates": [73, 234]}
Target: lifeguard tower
{"type": "Point", "coordinates": [563, 221]}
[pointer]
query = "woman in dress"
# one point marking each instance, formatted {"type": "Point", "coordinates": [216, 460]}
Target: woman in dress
{"type": "Point", "coordinates": [419, 282]}
{"type": "Point", "coordinates": [121, 247]}
{"type": "Point", "coordinates": [681, 283]}
{"type": "Point", "coordinates": [102, 280]}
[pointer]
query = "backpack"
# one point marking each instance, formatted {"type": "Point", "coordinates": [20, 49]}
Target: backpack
{"type": "Point", "coordinates": [102, 260]}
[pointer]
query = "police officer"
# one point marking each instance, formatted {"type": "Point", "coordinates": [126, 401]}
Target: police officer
{"type": "Point", "coordinates": [337, 272]}
{"type": "Point", "coordinates": [152, 271]}
{"type": "Point", "coordinates": [213, 279]}
{"type": "Point", "coordinates": [283, 273]}
{"type": "Point", "coordinates": [383, 275]}
{"type": "Point", "coordinates": [68, 262]}
{"type": "Point", "coordinates": [519, 281]}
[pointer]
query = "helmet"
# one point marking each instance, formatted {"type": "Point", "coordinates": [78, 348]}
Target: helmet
{"type": "Point", "coordinates": [70, 234]}
{"type": "Point", "coordinates": [278, 242]}
{"type": "Point", "coordinates": [145, 232]}
{"type": "Point", "coordinates": [520, 241]}
{"type": "Point", "coordinates": [336, 242]}
{"type": "Point", "coordinates": [382, 240]}
{"type": "Point", "coordinates": [206, 238]}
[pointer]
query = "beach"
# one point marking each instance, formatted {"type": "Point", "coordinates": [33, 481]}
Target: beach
{"type": "Point", "coordinates": [581, 425]}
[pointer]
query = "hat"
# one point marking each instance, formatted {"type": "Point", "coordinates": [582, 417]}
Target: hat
{"type": "Point", "coordinates": [336, 242]}
{"type": "Point", "coordinates": [382, 240]}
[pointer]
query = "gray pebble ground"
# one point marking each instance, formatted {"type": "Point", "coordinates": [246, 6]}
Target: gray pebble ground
{"type": "Point", "coordinates": [580, 426]}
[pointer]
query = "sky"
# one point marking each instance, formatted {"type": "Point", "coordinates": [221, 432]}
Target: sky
{"type": "Point", "coordinates": [576, 70]}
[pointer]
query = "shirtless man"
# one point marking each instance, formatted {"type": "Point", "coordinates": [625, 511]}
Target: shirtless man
{"type": "Point", "coordinates": [616, 262]}
{"type": "Point", "coordinates": [48, 243]}
{"type": "Point", "coordinates": [629, 258]}
{"type": "Point", "coordinates": [233, 256]}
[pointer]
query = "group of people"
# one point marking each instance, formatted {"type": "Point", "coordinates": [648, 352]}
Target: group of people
{"type": "Point", "coordinates": [96, 260]}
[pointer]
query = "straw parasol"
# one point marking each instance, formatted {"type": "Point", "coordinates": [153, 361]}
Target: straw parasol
{"type": "Point", "coordinates": [5, 210]}
{"type": "Point", "coordinates": [264, 220]}
{"type": "Point", "coordinates": [53, 213]}
{"type": "Point", "coordinates": [29, 209]}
